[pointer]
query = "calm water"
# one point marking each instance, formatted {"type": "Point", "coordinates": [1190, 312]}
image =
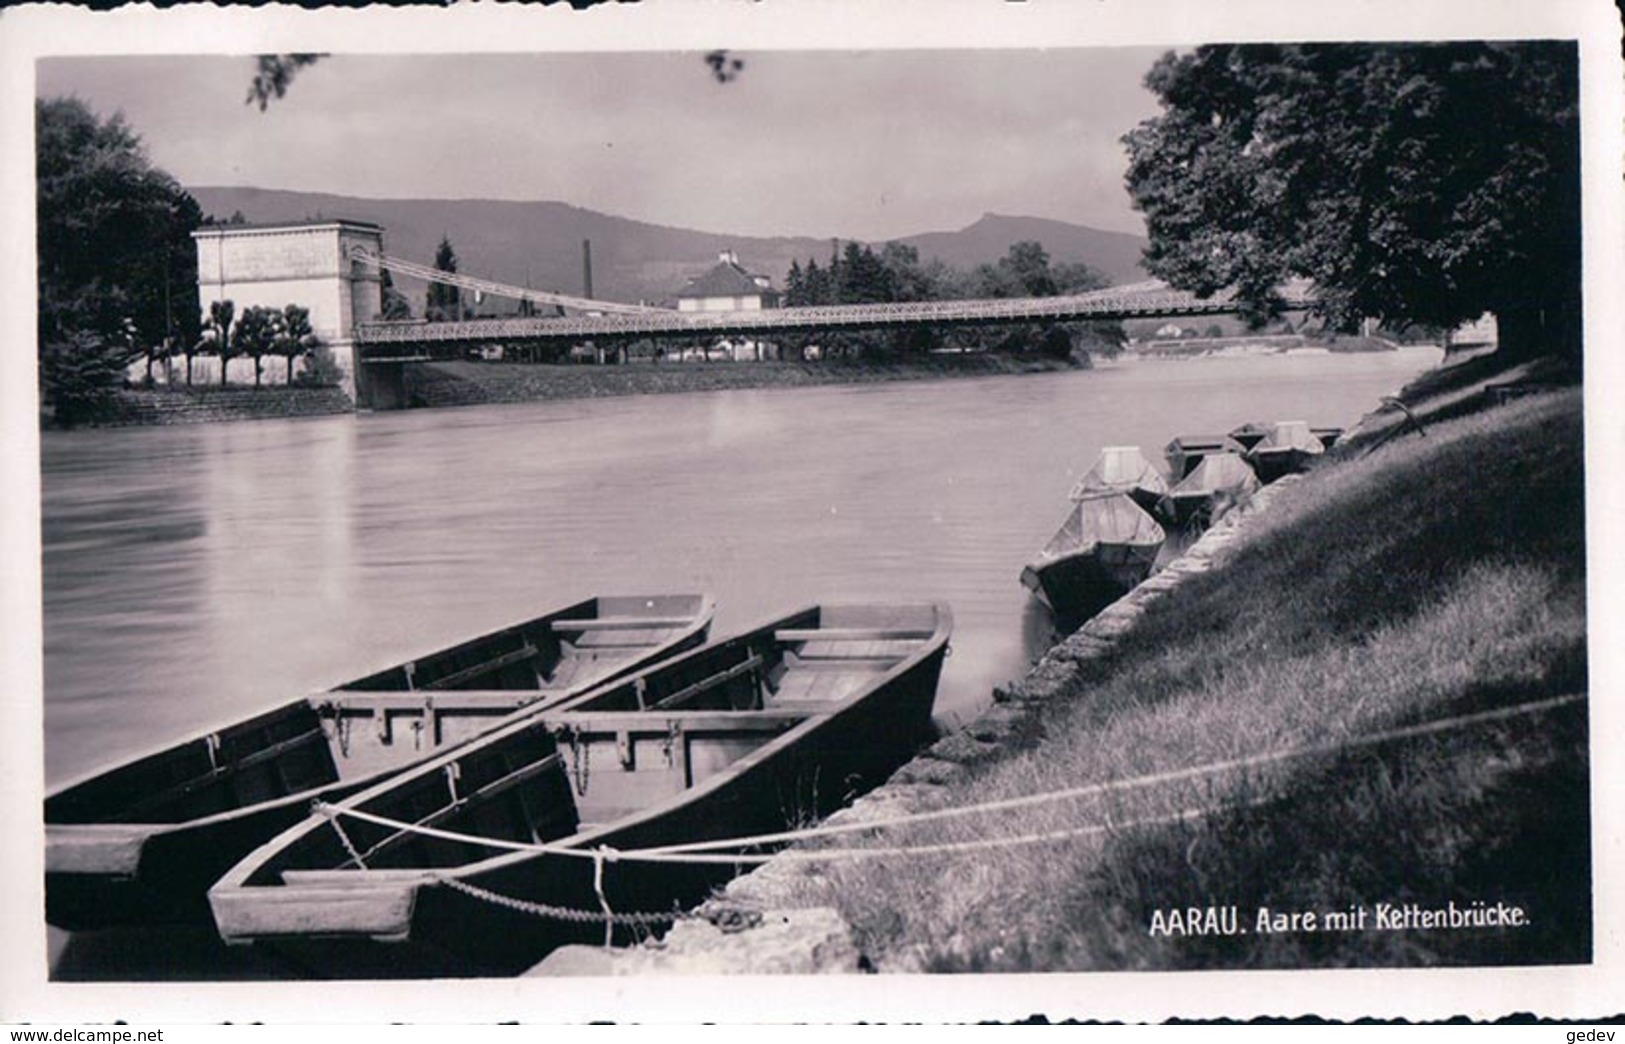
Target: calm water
{"type": "Point", "coordinates": [193, 574]}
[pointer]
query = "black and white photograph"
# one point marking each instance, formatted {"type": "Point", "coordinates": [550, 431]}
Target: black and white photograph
{"type": "Point", "coordinates": [939, 512]}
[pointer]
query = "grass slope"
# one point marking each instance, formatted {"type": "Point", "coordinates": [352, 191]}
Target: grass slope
{"type": "Point", "coordinates": [1441, 575]}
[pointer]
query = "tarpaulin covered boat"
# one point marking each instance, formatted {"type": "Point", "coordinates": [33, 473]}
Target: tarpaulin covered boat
{"type": "Point", "coordinates": [1218, 481]}
{"type": "Point", "coordinates": [1286, 449]}
{"type": "Point", "coordinates": [1106, 546]}
{"type": "Point", "coordinates": [1186, 452]}
{"type": "Point", "coordinates": [1123, 469]}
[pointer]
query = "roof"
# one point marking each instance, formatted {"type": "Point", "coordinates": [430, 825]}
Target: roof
{"type": "Point", "coordinates": [285, 226]}
{"type": "Point", "coordinates": [725, 279]}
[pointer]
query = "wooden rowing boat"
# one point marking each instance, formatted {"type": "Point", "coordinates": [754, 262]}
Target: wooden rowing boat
{"type": "Point", "coordinates": [1217, 482]}
{"type": "Point", "coordinates": [1123, 469]}
{"type": "Point", "coordinates": [1106, 546]}
{"type": "Point", "coordinates": [1286, 449]}
{"type": "Point", "coordinates": [767, 730]}
{"type": "Point", "coordinates": [141, 843]}
{"type": "Point", "coordinates": [1186, 452]}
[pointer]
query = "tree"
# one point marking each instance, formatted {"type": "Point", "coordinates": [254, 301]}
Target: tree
{"type": "Point", "coordinates": [394, 305]}
{"type": "Point", "coordinates": [256, 335]}
{"type": "Point", "coordinates": [295, 336]}
{"type": "Point", "coordinates": [273, 73]}
{"type": "Point", "coordinates": [1413, 183]}
{"type": "Point", "coordinates": [216, 336]}
{"type": "Point", "coordinates": [443, 301]}
{"type": "Point", "coordinates": [116, 259]}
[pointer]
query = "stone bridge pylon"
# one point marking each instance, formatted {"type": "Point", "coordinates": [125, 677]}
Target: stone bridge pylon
{"type": "Point", "coordinates": [309, 264]}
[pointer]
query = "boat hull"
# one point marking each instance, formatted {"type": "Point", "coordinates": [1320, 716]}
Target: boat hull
{"type": "Point", "coordinates": [213, 799]}
{"type": "Point", "coordinates": [1080, 584]}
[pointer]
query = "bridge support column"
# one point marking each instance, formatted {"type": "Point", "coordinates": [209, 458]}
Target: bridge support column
{"type": "Point", "coordinates": [379, 386]}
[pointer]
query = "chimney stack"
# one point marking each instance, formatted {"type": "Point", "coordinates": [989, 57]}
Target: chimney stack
{"type": "Point", "coordinates": [586, 267]}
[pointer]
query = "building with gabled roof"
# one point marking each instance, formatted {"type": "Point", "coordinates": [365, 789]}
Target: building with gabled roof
{"type": "Point", "coordinates": [727, 287]}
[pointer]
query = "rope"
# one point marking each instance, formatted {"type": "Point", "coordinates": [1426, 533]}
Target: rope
{"type": "Point", "coordinates": [338, 828]}
{"type": "Point", "coordinates": [1136, 783]}
{"type": "Point", "coordinates": [598, 856]}
{"type": "Point", "coordinates": [696, 852]}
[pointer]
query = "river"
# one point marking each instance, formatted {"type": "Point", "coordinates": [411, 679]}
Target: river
{"type": "Point", "coordinates": [193, 574]}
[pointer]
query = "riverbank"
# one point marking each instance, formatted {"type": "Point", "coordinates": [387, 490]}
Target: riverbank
{"type": "Point", "coordinates": [1354, 710]}
{"type": "Point", "coordinates": [449, 384]}
{"type": "Point", "coordinates": [480, 383]}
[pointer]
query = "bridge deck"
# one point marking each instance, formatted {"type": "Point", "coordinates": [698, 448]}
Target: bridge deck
{"type": "Point", "coordinates": [1135, 301]}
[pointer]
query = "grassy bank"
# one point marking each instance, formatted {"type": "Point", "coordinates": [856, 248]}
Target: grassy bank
{"type": "Point", "coordinates": [1421, 579]}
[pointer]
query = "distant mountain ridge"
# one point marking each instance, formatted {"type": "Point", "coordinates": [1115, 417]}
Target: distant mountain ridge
{"type": "Point", "coordinates": [539, 244]}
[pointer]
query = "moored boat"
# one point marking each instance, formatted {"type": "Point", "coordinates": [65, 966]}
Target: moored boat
{"type": "Point", "coordinates": [140, 843]}
{"type": "Point", "coordinates": [1286, 449]}
{"type": "Point", "coordinates": [1123, 469]}
{"type": "Point", "coordinates": [1106, 546]}
{"type": "Point", "coordinates": [1218, 481]}
{"type": "Point", "coordinates": [1328, 436]}
{"type": "Point", "coordinates": [767, 730]}
{"type": "Point", "coordinates": [1250, 434]}
{"type": "Point", "coordinates": [1186, 452]}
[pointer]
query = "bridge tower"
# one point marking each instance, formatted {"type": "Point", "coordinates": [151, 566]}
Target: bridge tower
{"type": "Point", "coordinates": [305, 263]}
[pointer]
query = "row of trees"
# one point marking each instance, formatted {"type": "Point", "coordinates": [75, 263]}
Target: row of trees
{"type": "Point", "coordinates": [859, 275]}
{"type": "Point", "coordinates": [255, 334]}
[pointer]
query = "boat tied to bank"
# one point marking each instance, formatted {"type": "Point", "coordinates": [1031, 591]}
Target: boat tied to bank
{"type": "Point", "coordinates": [1287, 448]}
{"type": "Point", "coordinates": [1122, 469]}
{"type": "Point", "coordinates": [1106, 546]}
{"type": "Point", "coordinates": [1219, 481]}
{"type": "Point", "coordinates": [1186, 452]}
{"type": "Point", "coordinates": [483, 860]}
{"type": "Point", "coordinates": [141, 842]}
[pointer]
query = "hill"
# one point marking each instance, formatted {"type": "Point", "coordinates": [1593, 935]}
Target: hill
{"type": "Point", "coordinates": [539, 243]}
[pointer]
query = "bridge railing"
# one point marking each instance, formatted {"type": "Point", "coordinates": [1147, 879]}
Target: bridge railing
{"type": "Point", "coordinates": [1138, 300]}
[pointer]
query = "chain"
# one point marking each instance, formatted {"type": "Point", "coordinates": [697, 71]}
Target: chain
{"type": "Point", "coordinates": [564, 913]}
{"type": "Point", "coordinates": [338, 828]}
{"type": "Point", "coordinates": [580, 759]}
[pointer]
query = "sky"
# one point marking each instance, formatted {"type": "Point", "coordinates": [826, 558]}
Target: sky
{"type": "Point", "coordinates": [869, 145]}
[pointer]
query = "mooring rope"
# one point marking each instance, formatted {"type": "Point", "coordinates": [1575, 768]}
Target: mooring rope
{"type": "Point", "coordinates": [696, 851]}
{"type": "Point", "coordinates": [699, 852]}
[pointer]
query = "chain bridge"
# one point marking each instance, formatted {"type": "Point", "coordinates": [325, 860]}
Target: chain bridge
{"type": "Point", "coordinates": [595, 320]}
{"type": "Point", "coordinates": [335, 268]}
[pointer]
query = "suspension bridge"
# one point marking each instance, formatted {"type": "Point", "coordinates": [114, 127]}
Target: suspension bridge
{"type": "Point", "coordinates": [597, 320]}
{"type": "Point", "coordinates": [336, 267]}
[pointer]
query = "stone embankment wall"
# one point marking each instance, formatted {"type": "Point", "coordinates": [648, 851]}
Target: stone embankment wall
{"type": "Point", "coordinates": [474, 383]}
{"type": "Point", "coordinates": [202, 405]}
{"type": "Point", "coordinates": [754, 928]}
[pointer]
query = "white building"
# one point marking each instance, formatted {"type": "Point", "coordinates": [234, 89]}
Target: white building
{"type": "Point", "coordinates": [727, 287]}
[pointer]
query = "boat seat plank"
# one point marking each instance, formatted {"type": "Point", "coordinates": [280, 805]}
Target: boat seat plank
{"type": "Point", "coordinates": [484, 700]}
{"type": "Point", "coordinates": [863, 664]}
{"type": "Point", "coordinates": [524, 652]}
{"type": "Point", "coordinates": [850, 634]}
{"type": "Point", "coordinates": [621, 623]}
{"type": "Point", "coordinates": [855, 650]}
{"type": "Point", "coordinates": [622, 639]}
{"type": "Point", "coordinates": [812, 689]}
{"type": "Point", "coordinates": [647, 723]}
